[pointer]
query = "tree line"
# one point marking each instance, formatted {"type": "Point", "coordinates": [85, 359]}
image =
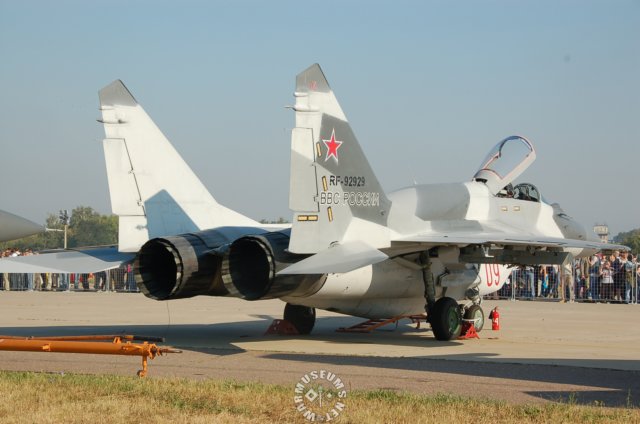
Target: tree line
{"type": "Point", "coordinates": [630, 238]}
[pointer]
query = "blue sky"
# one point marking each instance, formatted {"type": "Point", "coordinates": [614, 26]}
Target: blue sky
{"type": "Point", "coordinates": [429, 87]}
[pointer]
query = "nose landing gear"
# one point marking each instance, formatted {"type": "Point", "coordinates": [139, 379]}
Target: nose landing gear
{"type": "Point", "coordinates": [475, 314]}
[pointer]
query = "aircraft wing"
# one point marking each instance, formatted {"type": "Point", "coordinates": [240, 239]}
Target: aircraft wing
{"type": "Point", "coordinates": [356, 254]}
{"type": "Point", "coordinates": [67, 261]}
{"type": "Point", "coordinates": [504, 240]}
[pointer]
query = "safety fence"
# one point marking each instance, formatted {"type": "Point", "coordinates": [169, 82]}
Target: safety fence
{"type": "Point", "coordinates": [118, 279]}
{"type": "Point", "coordinates": [583, 284]}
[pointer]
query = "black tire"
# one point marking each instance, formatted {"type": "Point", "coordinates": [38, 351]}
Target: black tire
{"type": "Point", "coordinates": [475, 313]}
{"type": "Point", "coordinates": [445, 319]}
{"type": "Point", "coordinates": [303, 318]}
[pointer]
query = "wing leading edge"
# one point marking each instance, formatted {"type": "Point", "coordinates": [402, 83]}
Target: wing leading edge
{"type": "Point", "coordinates": [507, 240]}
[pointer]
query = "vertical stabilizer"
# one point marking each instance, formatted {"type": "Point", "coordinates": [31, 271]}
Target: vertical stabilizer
{"type": "Point", "coordinates": [334, 193]}
{"type": "Point", "coordinates": [152, 189]}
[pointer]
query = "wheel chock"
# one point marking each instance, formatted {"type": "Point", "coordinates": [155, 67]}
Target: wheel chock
{"type": "Point", "coordinates": [468, 331]}
{"type": "Point", "coordinates": [282, 327]}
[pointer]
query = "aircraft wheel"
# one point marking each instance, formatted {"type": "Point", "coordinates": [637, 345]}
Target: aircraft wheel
{"type": "Point", "coordinates": [446, 320]}
{"type": "Point", "coordinates": [302, 317]}
{"type": "Point", "coordinates": [475, 313]}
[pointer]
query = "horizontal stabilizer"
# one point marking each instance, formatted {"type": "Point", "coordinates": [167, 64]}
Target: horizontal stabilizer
{"type": "Point", "coordinates": [67, 261]}
{"type": "Point", "coordinates": [338, 259]}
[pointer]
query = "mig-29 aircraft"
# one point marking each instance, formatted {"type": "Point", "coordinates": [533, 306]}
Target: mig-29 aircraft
{"type": "Point", "coordinates": [352, 248]}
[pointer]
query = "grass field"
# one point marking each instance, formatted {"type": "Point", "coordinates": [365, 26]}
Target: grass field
{"type": "Point", "coordinates": [54, 398]}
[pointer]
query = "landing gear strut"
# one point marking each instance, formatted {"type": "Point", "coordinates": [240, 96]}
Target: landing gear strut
{"type": "Point", "coordinates": [303, 318]}
{"type": "Point", "coordinates": [444, 314]}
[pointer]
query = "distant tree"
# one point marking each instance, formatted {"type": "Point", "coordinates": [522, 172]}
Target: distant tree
{"type": "Point", "coordinates": [89, 228]}
{"type": "Point", "coordinates": [630, 238]}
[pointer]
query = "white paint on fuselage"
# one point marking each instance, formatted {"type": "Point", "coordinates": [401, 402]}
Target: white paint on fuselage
{"type": "Point", "coordinates": [390, 288]}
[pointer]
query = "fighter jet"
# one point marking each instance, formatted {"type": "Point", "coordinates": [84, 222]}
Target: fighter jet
{"type": "Point", "coordinates": [352, 248]}
{"type": "Point", "coordinates": [13, 227]}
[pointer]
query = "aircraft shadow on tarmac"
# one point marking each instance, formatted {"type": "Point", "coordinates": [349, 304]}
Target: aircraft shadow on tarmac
{"type": "Point", "coordinates": [616, 388]}
{"type": "Point", "coordinates": [227, 335]}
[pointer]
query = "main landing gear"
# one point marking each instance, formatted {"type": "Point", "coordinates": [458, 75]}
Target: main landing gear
{"type": "Point", "coordinates": [446, 318]}
{"type": "Point", "coordinates": [445, 314]}
{"type": "Point", "coordinates": [301, 317]}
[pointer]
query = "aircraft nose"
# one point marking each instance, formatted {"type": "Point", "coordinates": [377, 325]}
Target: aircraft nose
{"type": "Point", "coordinates": [13, 227]}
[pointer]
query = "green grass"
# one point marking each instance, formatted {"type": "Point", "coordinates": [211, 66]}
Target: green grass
{"type": "Point", "coordinates": [70, 398]}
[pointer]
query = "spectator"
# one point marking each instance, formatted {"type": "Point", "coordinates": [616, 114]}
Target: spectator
{"type": "Point", "coordinates": [594, 277]}
{"type": "Point", "coordinates": [629, 268]}
{"type": "Point", "coordinates": [636, 277]}
{"type": "Point", "coordinates": [544, 278]}
{"type": "Point", "coordinates": [28, 277]}
{"type": "Point", "coordinates": [617, 268]}
{"type": "Point", "coordinates": [5, 276]}
{"type": "Point", "coordinates": [552, 272]}
{"type": "Point", "coordinates": [101, 280]}
{"type": "Point", "coordinates": [567, 281]}
{"type": "Point", "coordinates": [64, 282]}
{"type": "Point", "coordinates": [606, 289]}
{"type": "Point", "coordinates": [130, 281]}
{"type": "Point", "coordinates": [529, 282]}
{"type": "Point", "coordinates": [586, 278]}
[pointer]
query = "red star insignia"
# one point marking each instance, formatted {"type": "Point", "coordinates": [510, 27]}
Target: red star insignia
{"type": "Point", "coordinates": [332, 146]}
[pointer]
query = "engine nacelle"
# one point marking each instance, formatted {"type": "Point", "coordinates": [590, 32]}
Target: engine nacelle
{"type": "Point", "coordinates": [210, 263]}
{"type": "Point", "coordinates": [251, 263]}
{"type": "Point", "coordinates": [180, 266]}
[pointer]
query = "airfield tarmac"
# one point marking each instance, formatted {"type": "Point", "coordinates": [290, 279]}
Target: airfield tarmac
{"type": "Point", "coordinates": [545, 351]}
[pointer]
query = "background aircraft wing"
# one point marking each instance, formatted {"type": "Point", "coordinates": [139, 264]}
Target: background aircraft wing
{"type": "Point", "coordinates": [67, 261]}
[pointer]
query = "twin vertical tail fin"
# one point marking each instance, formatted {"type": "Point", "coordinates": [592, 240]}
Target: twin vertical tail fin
{"type": "Point", "coordinates": [152, 189]}
{"type": "Point", "coordinates": [335, 196]}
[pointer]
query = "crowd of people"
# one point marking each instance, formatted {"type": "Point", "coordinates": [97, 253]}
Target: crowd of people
{"type": "Point", "coordinates": [599, 278]}
{"type": "Point", "coordinates": [118, 279]}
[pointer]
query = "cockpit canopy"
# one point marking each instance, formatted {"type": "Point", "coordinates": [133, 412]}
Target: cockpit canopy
{"type": "Point", "coordinates": [505, 162]}
{"type": "Point", "coordinates": [526, 191]}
